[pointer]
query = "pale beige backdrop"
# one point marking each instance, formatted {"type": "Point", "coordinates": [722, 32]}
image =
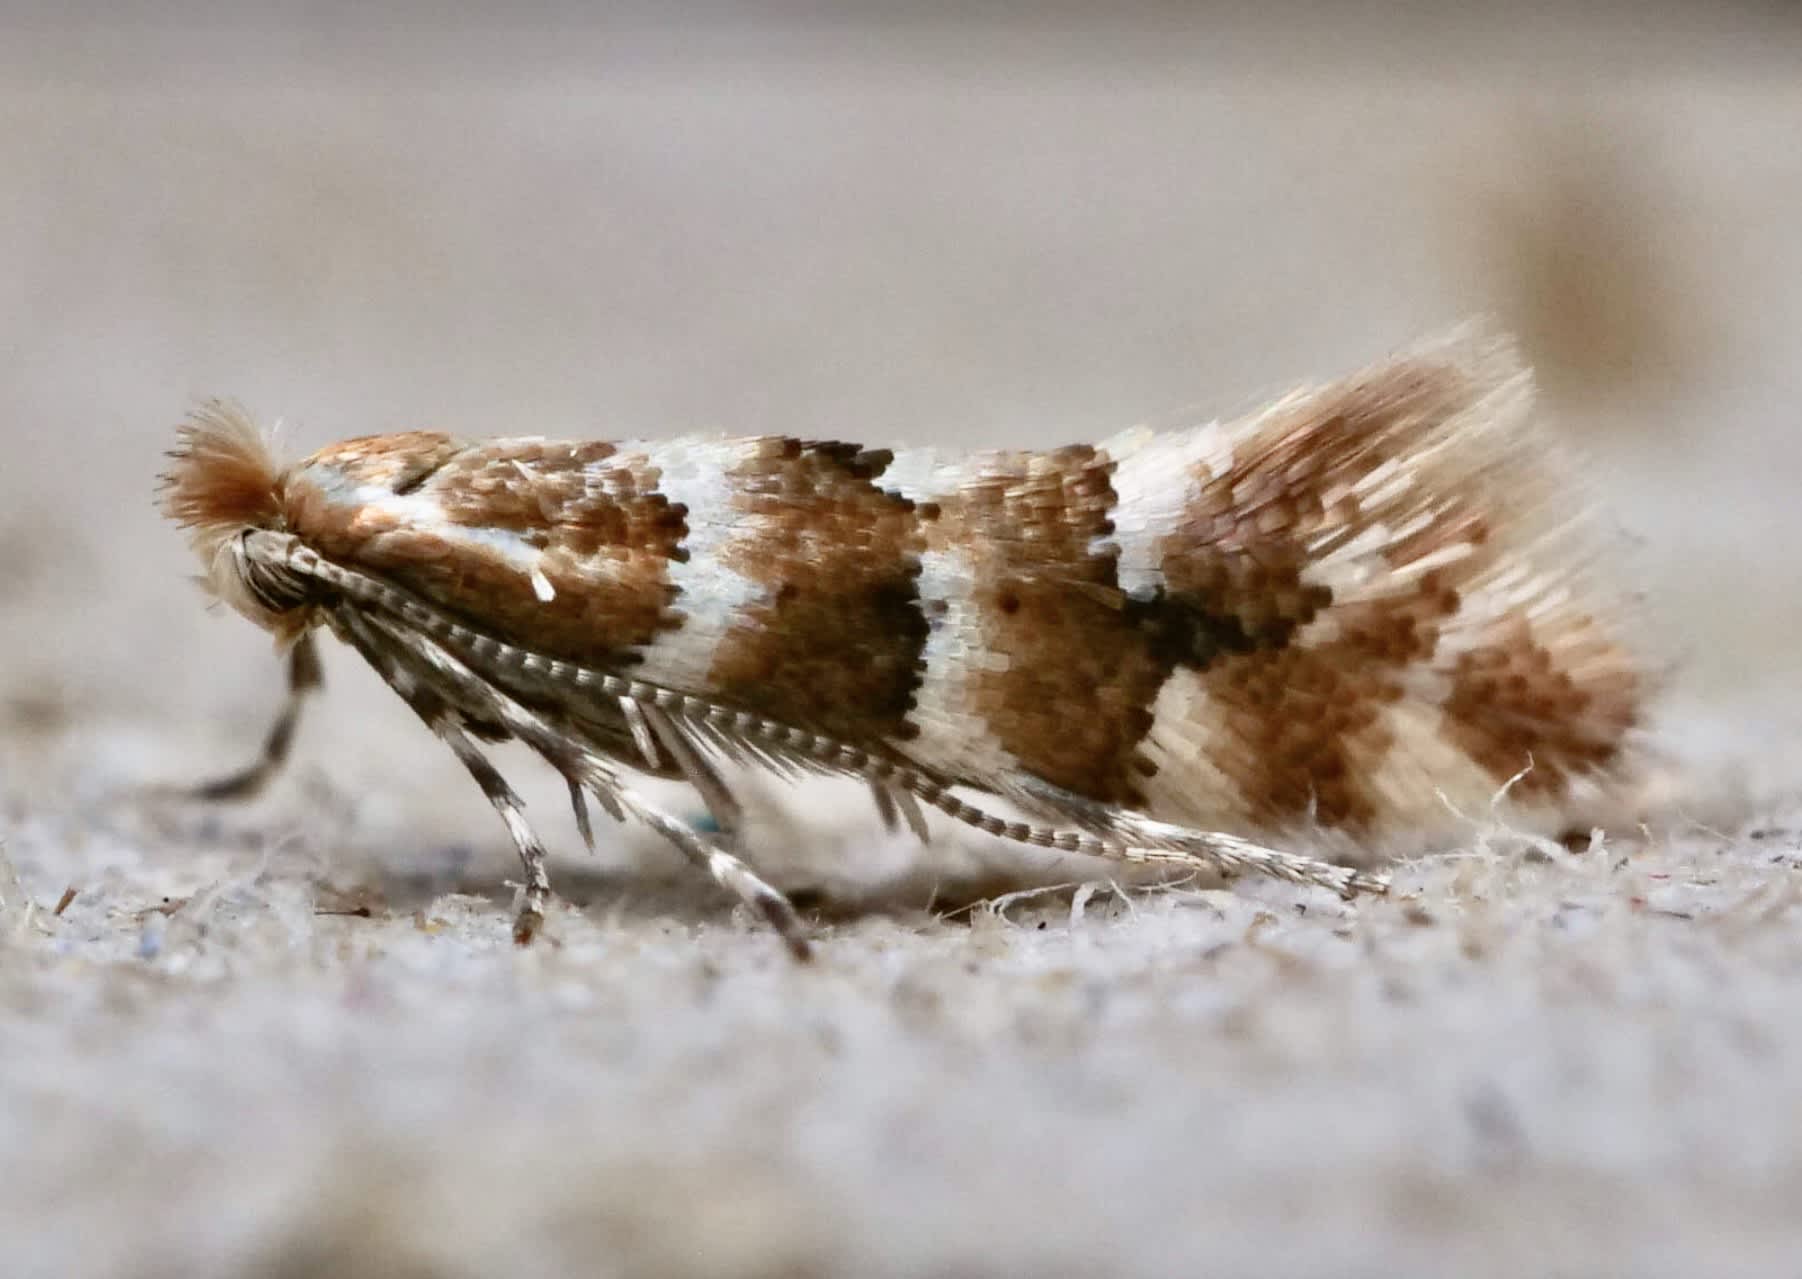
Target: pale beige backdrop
{"type": "Point", "coordinates": [993, 226]}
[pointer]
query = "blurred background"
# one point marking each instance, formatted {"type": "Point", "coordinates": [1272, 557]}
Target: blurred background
{"type": "Point", "coordinates": [965, 223]}
{"type": "Point", "coordinates": [981, 225]}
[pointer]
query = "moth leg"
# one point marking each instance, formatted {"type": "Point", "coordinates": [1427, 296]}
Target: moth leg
{"type": "Point", "coordinates": [578, 803]}
{"type": "Point", "coordinates": [304, 677]}
{"type": "Point", "coordinates": [571, 758]}
{"type": "Point", "coordinates": [721, 804]}
{"type": "Point", "coordinates": [729, 871]}
{"type": "Point", "coordinates": [513, 812]}
{"type": "Point", "coordinates": [446, 722]}
{"type": "Point", "coordinates": [715, 855]}
{"type": "Point", "coordinates": [894, 805]}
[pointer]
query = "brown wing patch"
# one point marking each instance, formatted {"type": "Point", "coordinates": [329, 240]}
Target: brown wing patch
{"type": "Point", "coordinates": [1068, 670]}
{"type": "Point", "coordinates": [1303, 724]}
{"type": "Point", "coordinates": [835, 642]}
{"type": "Point", "coordinates": [1295, 697]}
{"type": "Point", "coordinates": [534, 486]}
{"type": "Point", "coordinates": [1513, 702]}
{"type": "Point", "coordinates": [1241, 551]}
{"type": "Point", "coordinates": [1293, 723]}
{"type": "Point", "coordinates": [483, 530]}
{"type": "Point", "coordinates": [1392, 552]}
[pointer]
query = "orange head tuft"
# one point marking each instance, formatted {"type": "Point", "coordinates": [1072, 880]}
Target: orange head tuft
{"type": "Point", "coordinates": [222, 478]}
{"type": "Point", "coordinates": [221, 481]}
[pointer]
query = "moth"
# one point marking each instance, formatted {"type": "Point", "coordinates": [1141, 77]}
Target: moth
{"type": "Point", "coordinates": [1339, 620]}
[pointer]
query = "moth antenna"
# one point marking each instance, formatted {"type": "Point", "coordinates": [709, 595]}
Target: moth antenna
{"type": "Point", "coordinates": [396, 614]}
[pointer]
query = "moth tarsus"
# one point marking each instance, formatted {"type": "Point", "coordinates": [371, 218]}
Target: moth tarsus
{"type": "Point", "coordinates": [304, 678]}
{"type": "Point", "coordinates": [1350, 613]}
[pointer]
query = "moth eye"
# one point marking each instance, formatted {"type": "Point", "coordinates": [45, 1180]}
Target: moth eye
{"type": "Point", "coordinates": [276, 595]}
{"type": "Point", "coordinates": [274, 588]}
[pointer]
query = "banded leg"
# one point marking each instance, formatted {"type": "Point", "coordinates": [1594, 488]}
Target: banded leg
{"type": "Point", "coordinates": [721, 804]}
{"type": "Point", "coordinates": [376, 637]}
{"type": "Point", "coordinates": [513, 812]}
{"type": "Point", "coordinates": [729, 871]}
{"type": "Point", "coordinates": [439, 716]}
{"type": "Point", "coordinates": [304, 677]}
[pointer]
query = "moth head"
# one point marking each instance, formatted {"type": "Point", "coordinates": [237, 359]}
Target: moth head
{"type": "Point", "coordinates": [222, 483]}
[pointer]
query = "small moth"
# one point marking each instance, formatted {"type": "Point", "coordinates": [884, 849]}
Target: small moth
{"type": "Point", "coordinates": [1341, 619]}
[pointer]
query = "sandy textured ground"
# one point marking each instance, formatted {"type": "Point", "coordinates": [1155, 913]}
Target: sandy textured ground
{"type": "Point", "coordinates": [292, 1038]}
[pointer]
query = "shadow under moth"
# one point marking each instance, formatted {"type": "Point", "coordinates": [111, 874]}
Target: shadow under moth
{"type": "Point", "coordinates": [1340, 620]}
